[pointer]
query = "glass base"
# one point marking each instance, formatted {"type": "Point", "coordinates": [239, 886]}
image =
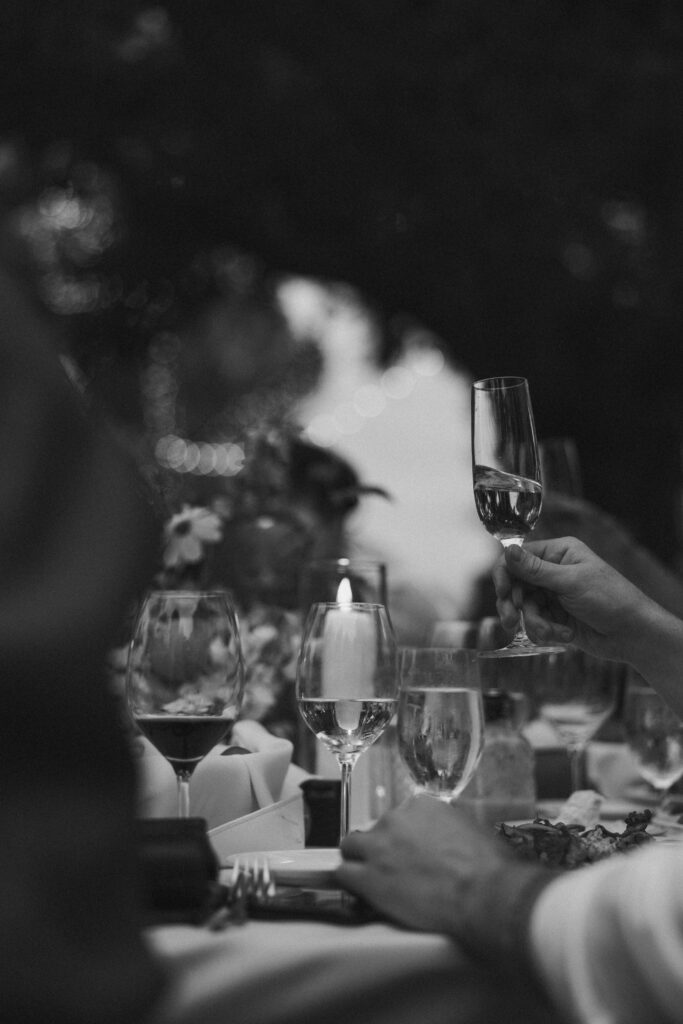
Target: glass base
{"type": "Point", "coordinates": [523, 650]}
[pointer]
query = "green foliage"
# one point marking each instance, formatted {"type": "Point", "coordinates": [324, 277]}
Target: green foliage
{"type": "Point", "coordinates": [509, 174]}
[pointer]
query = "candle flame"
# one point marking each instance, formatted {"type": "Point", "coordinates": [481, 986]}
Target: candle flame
{"type": "Point", "coordinates": [344, 595]}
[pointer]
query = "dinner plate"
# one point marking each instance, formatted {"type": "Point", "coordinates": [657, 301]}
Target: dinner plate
{"type": "Point", "coordinates": [612, 813]}
{"type": "Point", "coordinates": [312, 868]}
{"type": "Point", "coordinates": [610, 810]}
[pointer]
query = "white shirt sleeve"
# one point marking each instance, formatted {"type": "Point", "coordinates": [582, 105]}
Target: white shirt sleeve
{"type": "Point", "coordinates": [608, 939]}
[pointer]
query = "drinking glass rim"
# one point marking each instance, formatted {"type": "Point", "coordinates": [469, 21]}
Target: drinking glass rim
{"type": "Point", "coordinates": [437, 647]}
{"type": "Point", "coordinates": [352, 605]}
{"type": "Point", "coordinates": [186, 592]}
{"type": "Point", "coordinates": [503, 383]}
{"type": "Point", "coordinates": [345, 563]}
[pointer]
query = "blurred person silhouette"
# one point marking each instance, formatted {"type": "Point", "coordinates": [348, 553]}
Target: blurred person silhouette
{"type": "Point", "coordinates": [605, 943]}
{"type": "Point", "coordinates": [76, 539]}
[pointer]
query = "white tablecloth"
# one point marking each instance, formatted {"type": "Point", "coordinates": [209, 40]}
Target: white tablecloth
{"type": "Point", "coordinates": [286, 972]}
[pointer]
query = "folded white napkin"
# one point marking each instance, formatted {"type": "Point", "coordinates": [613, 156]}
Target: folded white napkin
{"type": "Point", "coordinates": [612, 768]}
{"type": "Point", "coordinates": [541, 735]}
{"type": "Point", "coordinates": [223, 787]}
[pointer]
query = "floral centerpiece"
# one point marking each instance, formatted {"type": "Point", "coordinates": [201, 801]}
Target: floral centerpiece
{"type": "Point", "coordinates": [270, 635]}
{"type": "Point", "coordinates": [251, 537]}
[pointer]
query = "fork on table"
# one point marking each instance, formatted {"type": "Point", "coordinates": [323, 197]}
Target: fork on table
{"type": "Point", "coordinates": [250, 880]}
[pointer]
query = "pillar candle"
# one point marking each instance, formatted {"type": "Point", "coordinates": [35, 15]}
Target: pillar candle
{"type": "Point", "coordinates": [349, 653]}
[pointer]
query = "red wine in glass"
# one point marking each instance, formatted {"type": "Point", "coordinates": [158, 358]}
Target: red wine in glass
{"type": "Point", "coordinates": [184, 740]}
{"type": "Point", "coordinates": [185, 677]}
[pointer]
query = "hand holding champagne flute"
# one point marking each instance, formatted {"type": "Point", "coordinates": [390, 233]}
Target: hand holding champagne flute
{"type": "Point", "coordinates": [185, 677]}
{"type": "Point", "coordinates": [346, 685]}
{"type": "Point", "coordinates": [506, 474]}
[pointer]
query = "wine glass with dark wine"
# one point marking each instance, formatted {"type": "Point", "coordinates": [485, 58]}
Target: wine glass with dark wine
{"type": "Point", "coordinates": [347, 682]}
{"type": "Point", "coordinates": [185, 677]}
{"type": "Point", "coordinates": [506, 475]}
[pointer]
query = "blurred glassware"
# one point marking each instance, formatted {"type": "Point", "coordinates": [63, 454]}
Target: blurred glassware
{"type": "Point", "coordinates": [654, 735]}
{"type": "Point", "coordinates": [455, 633]}
{"type": "Point", "coordinates": [185, 677]}
{"type": "Point", "coordinates": [503, 787]}
{"type": "Point", "coordinates": [576, 693]}
{"type": "Point", "coordinates": [513, 676]}
{"type": "Point", "coordinates": [484, 634]}
{"type": "Point", "coordinates": [560, 467]}
{"type": "Point", "coordinates": [440, 718]}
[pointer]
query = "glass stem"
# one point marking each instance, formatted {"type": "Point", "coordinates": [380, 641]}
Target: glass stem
{"type": "Point", "coordinates": [184, 792]}
{"type": "Point", "coordinates": [520, 636]}
{"type": "Point", "coordinates": [344, 807]}
{"type": "Point", "coordinates": [663, 797]}
{"type": "Point", "coordinates": [520, 639]}
{"type": "Point", "coordinates": [576, 767]}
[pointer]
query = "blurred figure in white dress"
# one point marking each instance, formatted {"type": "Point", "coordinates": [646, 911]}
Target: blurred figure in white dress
{"type": "Point", "coordinates": [407, 429]}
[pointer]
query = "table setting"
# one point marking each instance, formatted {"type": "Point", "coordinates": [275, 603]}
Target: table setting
{"type": "Point", "coordinates": [279, 940]}
{"type": "Point", "coordinates": [272, 936]}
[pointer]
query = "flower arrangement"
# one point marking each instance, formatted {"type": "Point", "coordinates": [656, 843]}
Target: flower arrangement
{"type": "Point", "coordinates": [250, 535]}
{"type": "Point", "coordinates": [185, 535]}
{"type": "Point", "coordinates": [270, 635]}
{"type": "Point", "coordinates": [270, 646]}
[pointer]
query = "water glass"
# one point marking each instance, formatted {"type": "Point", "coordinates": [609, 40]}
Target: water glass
{"type": "Point", "coordinates": [440, 718]}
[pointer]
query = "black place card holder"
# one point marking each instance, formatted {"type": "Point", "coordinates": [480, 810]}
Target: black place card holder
{"type": "Point", "coordinates": [178, 870]}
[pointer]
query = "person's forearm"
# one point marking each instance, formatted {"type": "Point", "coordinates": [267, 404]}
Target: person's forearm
{"type": "Point", "coordinates": [608, 941]}
{"type": "Point", "coordinates": [494, 920]}
{"type": "Point", "coordinates": [654, 579]}
{"type": "Point", "coordinates": [655, 649]}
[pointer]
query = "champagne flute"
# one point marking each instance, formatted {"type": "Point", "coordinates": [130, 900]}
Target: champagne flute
{"type": "Point", "coordinates": [576, 693]}
{"type": "Point", "coordinates": [506, 475]}
{"type": "Point", "coordinates": [185, 677]}
{"type": "Point", "coordinates": [654, 735]}
{"type": "Point", "coordinates": [346, 682]}
{"type": "Point", "coordinates": [440, 718]}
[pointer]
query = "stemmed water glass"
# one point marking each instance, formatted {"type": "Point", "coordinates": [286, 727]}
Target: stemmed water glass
{"type": "Point", "coordinates": [654, 735]}
{"type": "Point", "coordinates": [185, 677]}
{"type": "Point", "coordinates": [346, 684]}
{"type": "Point", "coordinates": [506, 475]}
{"type": "Point", "coordinates": [575, 693]}
{"type": "Point", "coordinates": [349, 579]}
{"type": "Point", "coordinates": [440, 718]}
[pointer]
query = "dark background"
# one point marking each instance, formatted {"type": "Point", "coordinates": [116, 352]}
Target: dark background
{"type": "Point", "coordinates": [509, 174]}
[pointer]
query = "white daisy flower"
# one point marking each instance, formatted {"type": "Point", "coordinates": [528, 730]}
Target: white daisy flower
{"type": "Point", "coordinates": [186, 533]}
